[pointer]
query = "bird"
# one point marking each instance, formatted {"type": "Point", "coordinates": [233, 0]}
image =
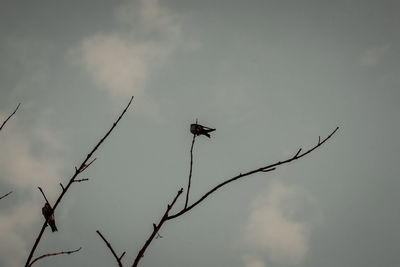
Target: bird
{"type": "Point", "coordinates": [48, 214]}
{"type": "Point", "coordinates": [198, 129]}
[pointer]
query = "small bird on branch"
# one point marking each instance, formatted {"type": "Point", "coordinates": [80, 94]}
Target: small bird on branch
{"type": "Point", "coordinates": [198, 129]}
{"type": "Point", "coordinates": [47, 212]}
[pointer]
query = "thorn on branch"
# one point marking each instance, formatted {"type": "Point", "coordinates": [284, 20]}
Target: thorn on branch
{"type": "Point", "coordinates": [154, 226]}
{"type": "Point", "coordinates": [319, 140]}
{"type": "Point", "coordinates": [62, 186]}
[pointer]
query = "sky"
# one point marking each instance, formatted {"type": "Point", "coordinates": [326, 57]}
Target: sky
{"type": "Point", "coordinates": [270, 76]}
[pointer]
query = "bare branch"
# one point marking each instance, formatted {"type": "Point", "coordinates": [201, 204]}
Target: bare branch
{"type": "Point", "coordinates": [190, 171]}
{"type": "Point", "coordinates": [6, 195]}
{"type": "Point", "coordinates": [15, 110]}
{"type": "Point", "coordinates": [156, 229]}
{"type": "Point", "coordinates": [122, 255]}
{"type": "Point", "coordinates": [72, 179]}
{"type": "Point", "coordinates": [298, 152]}
{"type": "Point", "coordinates": [262, 169]}
{"type": "Point", "coordinates": [45, 198]}
{"type": "Point", "coordinates": [81, 180]}
{"type": "Point", "coordinates": [118, 259]}
{"type": "Point", "coordinates": [54, 254]}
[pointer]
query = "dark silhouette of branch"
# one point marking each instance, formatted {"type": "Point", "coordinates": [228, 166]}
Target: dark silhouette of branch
{"type": "Point", "coordinates": [156, 229]}
{"type": "Point", "coordinates": [186, 208]}
{"type": "Point", "coordinates": [54, 254]}
{"type": "Point", "coordinates": [118, 259]}
{"type": "Point", "coordinates": [190, 171]}
{"type": "Point", "coordinates": [81, 180]}
{"type": "Point", "coordinates": [6, 195]}
{"type": "Point", "coordinates": [45, 198]}
{"type": "Point", "coordinates": [79, 170]}
{"type": "Point", "coordinates": [15, 110]}
{"type": "Point", "coordinates": [267, 168]}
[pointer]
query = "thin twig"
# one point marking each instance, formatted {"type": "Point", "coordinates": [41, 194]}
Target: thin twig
{"type": "Point", "coordinates": [6, 195]}
{"type": "Point", "coordinates": [81, 180]}
{"type": "Point", "coordinates": [262, 169]}
{"type": "Point", "coordinates": [45, 198]}
{"type": "Point", "coordinates": [15, 110]}
{"type": "Point", "coordinates": [84, 167]}
{"type": "Point", "coordinates": [190, 171]}
{"type": "Point", "coordinates": [71, 181]}
{"type": "Point", "coordinates": [118, 259]}
{"type": "Point", "coordinates": [54, 254]}
{"type": "Point", "coordinates": [156, 229]}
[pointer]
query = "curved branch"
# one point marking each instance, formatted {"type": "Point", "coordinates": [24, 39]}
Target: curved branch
{"type": "Point", "coordinates": [6, 195]}
{"type": "Point", "coordinates": [54, 254]}
{"type": "Point", "coordinates": [15, 110]}
{"type": "Point", "coordinates": [82, 167]}
{"type": "Point", "coordinates": [118, 259]}
{"type": "Point", "coordinates": [267, 168]}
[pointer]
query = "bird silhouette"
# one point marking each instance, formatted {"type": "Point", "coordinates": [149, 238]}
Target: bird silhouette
{"type": "Point", "coordinates": [198, 129]}
{"type": "Point", "coordinates": [48, 214]}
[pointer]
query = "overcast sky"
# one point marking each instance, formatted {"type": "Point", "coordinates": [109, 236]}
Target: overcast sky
{"type": "Point", "coordinates": [270, 76]}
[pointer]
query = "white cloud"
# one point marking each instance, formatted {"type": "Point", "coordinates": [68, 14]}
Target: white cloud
{"type": "Point", "coordinates": [271, 232]}
{"type": "Point", "coordinates": [122, 60]}
{"type": "Point", "coordinates": [250, 261]}
{"type": "Point", "coordinates": [27, 160]}
{"type": "Point", "coordinates": [372, 56]}
{"type": "Point", "coordinates": [21, 166]}
{"type": "Point", "coordinates": [13, 225]}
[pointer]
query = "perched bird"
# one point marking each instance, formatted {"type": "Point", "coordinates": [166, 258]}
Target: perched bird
{"type": "Point", "coordinates": [47, 212]}
{"type": "Point", "coordinates": [198, 129]}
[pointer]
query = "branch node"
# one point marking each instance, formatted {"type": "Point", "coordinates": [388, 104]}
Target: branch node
{"type": "Point", "coordinates": [298, 152]}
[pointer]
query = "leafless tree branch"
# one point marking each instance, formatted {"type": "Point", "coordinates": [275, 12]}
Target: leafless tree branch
{"type": "Point", "coordinates": [190, 171]}
{"type": "Point", "coordinates": [156, 229]}
{"type": "Point", "coordinates": [166, 216]}
{"type": "Point", "coordinates": [82, 167]}
{"type": "Point", "coordinates": [81, 180]}
{"type": "Point", "coordinates": [54, 254]}
{"type": "Point", "coordinates": [6, 195]}
{"type": "Point", "coordinates": [45, 198]}
{"type": "Point", "coordinates": [267, 168]}
{"type": "Point", "coordinates": [15, 110]}
{"type": "Point", "coordinates": [118, 259]}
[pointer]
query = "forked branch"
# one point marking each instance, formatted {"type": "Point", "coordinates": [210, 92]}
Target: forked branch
{"type": "Point", "coordinates": [156, 228]}
{"type": "Point", "coordinates": [4, 123]}
{"type": "Point", "coordinates": [85, 163]}
{"type": "Point", "coordinates": [267, 168]}
{"type": "Point", "coordinates": [186, 208]}
{"type": "Point", "coordinates": [118, 259]}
